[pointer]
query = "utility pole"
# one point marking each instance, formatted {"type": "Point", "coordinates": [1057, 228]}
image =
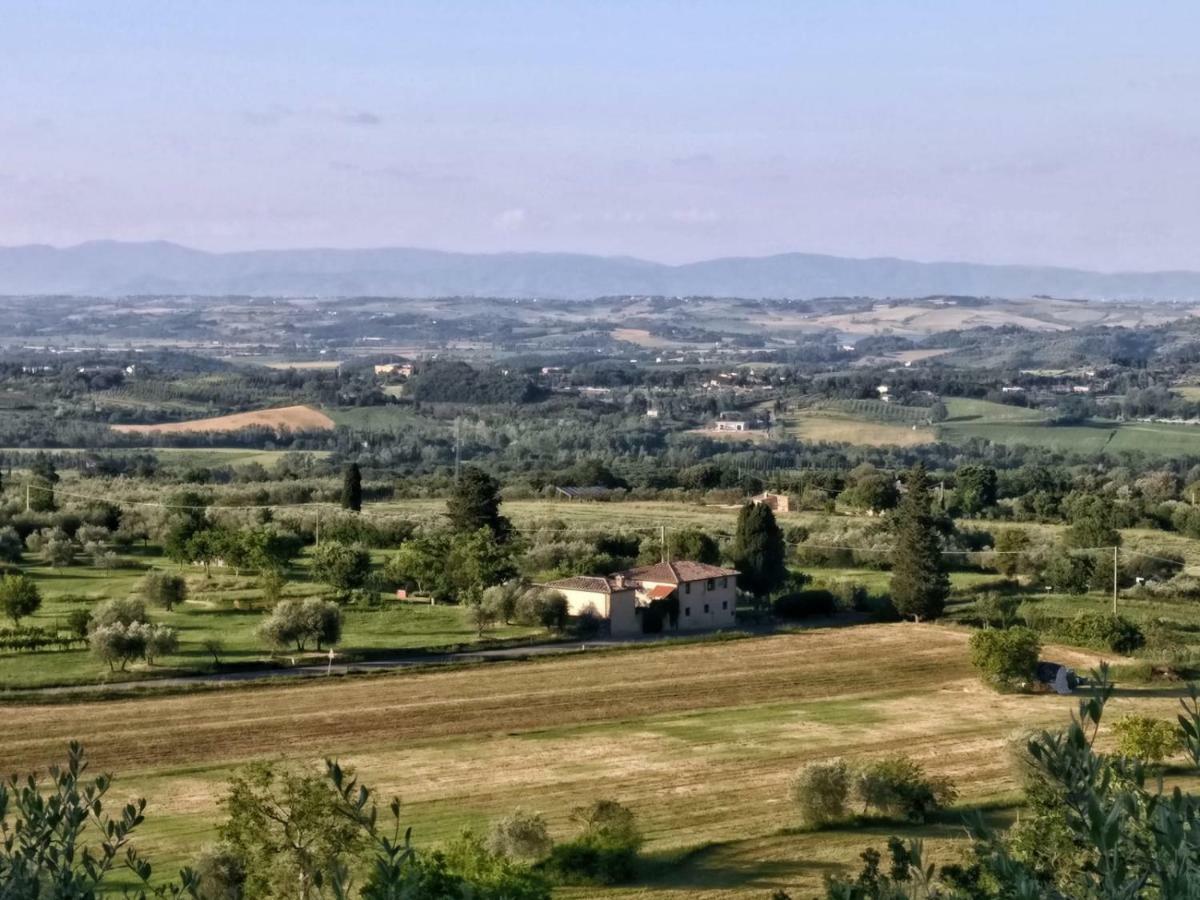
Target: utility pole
{"type": "Point", "coordinates": [28, 487]}
{"type": "Point", "coordinates": [1115, 552]}
{"type": "Point", "coordinates": [318, 530]}
{"type": "Point", "coordinates": [662, 541]}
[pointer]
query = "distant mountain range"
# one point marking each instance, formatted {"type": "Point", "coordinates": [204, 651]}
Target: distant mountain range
{"type": "Point", "coordinates": [119, 268]}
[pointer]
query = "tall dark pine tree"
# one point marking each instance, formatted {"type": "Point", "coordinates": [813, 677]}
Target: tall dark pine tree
{"type": "Point", "coordinates": [43, 476]}
{"type": "Point", "coordinates": [352, 488]}
{"type": "Point", "coordinates": [920, 584]}
{"type": "Point", "coordinates": [759, 551]}
{"type": "Point", "coordinates": [475, 503]}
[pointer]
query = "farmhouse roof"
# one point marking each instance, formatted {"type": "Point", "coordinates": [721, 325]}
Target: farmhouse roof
{"type": "Point", "coordinates": [597, 584]}
{"type": "Point", "coordinates": [678, 572]}
{"type": "Point", "coordinates": [660, 591]}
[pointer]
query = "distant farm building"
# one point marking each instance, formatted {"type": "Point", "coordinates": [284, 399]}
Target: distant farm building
{"type": "Point", "coordinates": [731, 422]}
{"type": "Point", "coordinates": [667, 596]}
{"type": "Point", "coordinates": [779, 503]}
{"type": "Point", "coordinates": [594, 492]}
{"type": "Point", "coordinates": [401, 370]}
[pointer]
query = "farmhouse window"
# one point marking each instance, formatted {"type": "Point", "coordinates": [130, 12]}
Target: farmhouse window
{"type": "Point", "coordinates": [724, 604]}
{"type": "Point", "coordinates": [725, 582]}
{"type": "Point", "coordinates": [712, 583]}
{"type": "Point", "coordinates": [687, 587]}
{"type": "Point", "coordinates": [687, 610]}
{"type": "Point", "coordinates": [705, 607]}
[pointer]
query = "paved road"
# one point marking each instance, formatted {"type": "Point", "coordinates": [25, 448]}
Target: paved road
{"type": "Point", "coordinates": [526, 651]}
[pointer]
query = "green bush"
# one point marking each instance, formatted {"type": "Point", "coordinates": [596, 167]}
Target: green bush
{"type": "Point", "coordinates": [1147, 739]}
{"type": "Point", "coordinates": [1005, 658]}
{"type": "Point", "coordinates": [605, 851]}
{"type": "Point", "coordinates": [821, 790]}
{"type": "Point", "coordinates": [1102, 631]}
{"type": "Point", "coordinates": [898, 786]}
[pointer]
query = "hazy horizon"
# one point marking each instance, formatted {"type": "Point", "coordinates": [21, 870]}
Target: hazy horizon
{"type": "Point", "coordinates": [675, 132]}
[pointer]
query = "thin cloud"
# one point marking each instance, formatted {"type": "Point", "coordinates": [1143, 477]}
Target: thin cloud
{"type": "Point", "coordinates": [357, 117]}
{"type": "Point", "coordinates": [511, 219]}
{"type": "Point", "coordinates": [278, 113]}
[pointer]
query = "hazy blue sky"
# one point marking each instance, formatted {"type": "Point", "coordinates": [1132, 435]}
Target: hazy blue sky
{"type": "Point", "coordinates": [1046, 132]}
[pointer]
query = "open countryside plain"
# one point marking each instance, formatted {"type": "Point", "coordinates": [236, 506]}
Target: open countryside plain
{"type": "Point", "coordinates": [699, 739]}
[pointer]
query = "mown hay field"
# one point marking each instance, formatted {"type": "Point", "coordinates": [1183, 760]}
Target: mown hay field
{"type": "Point", "coordinates": [816, 426]}
{"type": "Point", "coordinates": [289, 418]}
{"type": "Point", "coordinates": [700, 739]}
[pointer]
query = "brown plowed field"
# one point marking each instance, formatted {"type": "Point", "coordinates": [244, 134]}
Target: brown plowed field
{"type": "Point", "coordinates": [284, 418]}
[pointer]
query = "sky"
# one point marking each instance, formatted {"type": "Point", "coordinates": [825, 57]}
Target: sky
{"type": "Point", "coordinates": [1060, 133]}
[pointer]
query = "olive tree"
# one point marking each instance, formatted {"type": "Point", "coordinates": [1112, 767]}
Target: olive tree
{"type": "Point", "coordinates": [19, 597]}
{"type": "Point", "coordinates": [820, 791]}
{"type": "Point", "coordinates": [164, 589]}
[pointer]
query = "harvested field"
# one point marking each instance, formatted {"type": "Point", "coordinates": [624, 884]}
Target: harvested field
{"type": "Point", "coordinates": [836, 427]}
{"type": "Point", "coordinates": [284, 418]}
{"type": "Point", "coordinates": [699, 739]}
{"type": "Point", "coordinates": [641, 337]}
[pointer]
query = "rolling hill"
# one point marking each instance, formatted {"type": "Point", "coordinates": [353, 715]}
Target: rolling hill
{"type": "Point", "coordinates": [115, 268]}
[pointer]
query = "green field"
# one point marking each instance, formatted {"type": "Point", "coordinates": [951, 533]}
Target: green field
{"type": "Point", "coordinates": [1014, 425]}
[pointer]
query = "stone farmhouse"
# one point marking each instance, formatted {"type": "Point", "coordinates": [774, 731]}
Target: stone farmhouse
{"type": "Point", "coordinates": [666, 596]}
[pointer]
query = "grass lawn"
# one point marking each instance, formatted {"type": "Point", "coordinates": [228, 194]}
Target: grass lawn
{"type": "Point", "coordinates": [700, 740]}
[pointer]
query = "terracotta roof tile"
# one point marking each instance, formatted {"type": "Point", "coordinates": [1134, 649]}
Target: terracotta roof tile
{"type": "Point", "coordinates": [678, 572]}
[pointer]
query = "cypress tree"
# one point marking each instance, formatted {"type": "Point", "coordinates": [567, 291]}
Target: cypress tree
{"type": "Point", "coordinates": [474, 503]}
{"type": "Point", "coordinates": [352, 488]}
{"type": "Point", "coordinates": [759, 550]}
{"type": "Point", "coordinates": [920, 584]}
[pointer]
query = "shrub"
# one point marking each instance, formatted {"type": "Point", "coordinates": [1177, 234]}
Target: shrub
{"type": "Point", "coordinates": [79, 621]}
{"type": "Point", "coordinates": [586, 862]}
{"type": "Point", "coordinates": [821, 790]}
{"type": "Point", "coordinates": [803, 604]}
{"type": "Point", "coordinates": [610, 822]}
{"type": "Point", "coordinates": [1069, 574]}
{"type": "Point", "coordinates": [606, 850]}
{"type": "Point", "coordinates": [1147, 739]}
{"type": "Point", "coordinates": [997, 609]}
{"type": "Point", "coordinates": [849, 596]}
{"type": "Point", "coordinates": [520, 835]}
{"type": "Point", "coordinates": [898, 786]}
{"type": "Point", "coordinates": [220, 872]}
{"type": "Point", "coordinates": [587, 624]}
{"type": "Point", "coordinates": [1102, 631]}
{"type": "Point", "coordinates": [480, 874]}
{"type": "Point", "coordinates": [1005, 658]}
